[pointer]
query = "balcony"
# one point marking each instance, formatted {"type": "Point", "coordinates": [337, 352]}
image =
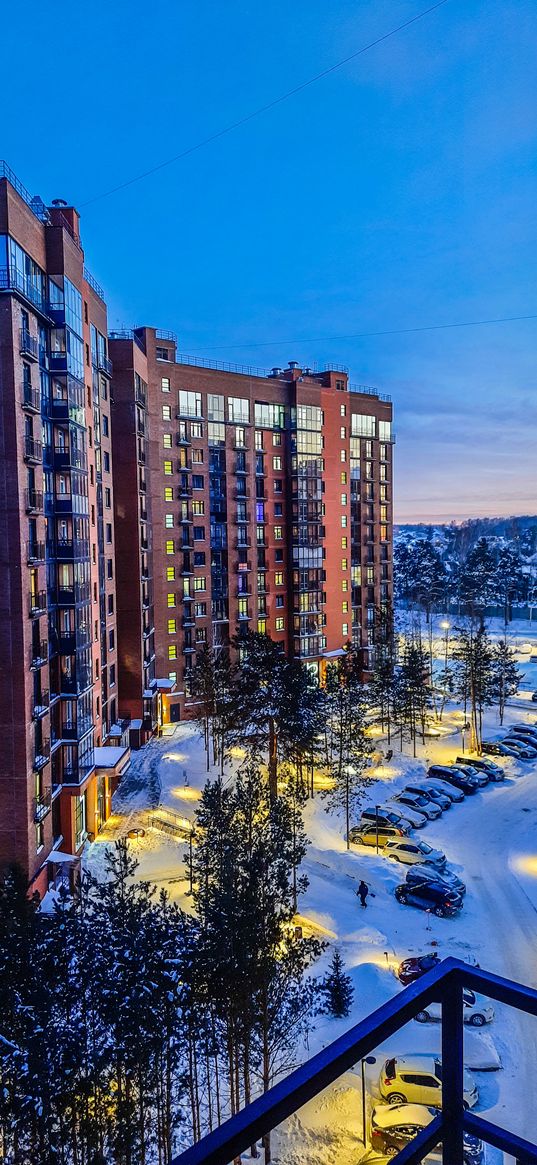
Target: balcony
{"type": "Point", "coordinates": [444, 984]}
{"type": "Point", "coordinates": [42, 805]}
{"type": "Point", "coordinates": [33, 451]}
{"type": "Point", "coordinates": [58, 361]}
{"type": "Point", "coordinates": [188, 621]}
{"type": "Point", "coordinates": [41, 704]}
{"type": "Point", "coordinates": [35, 552]}
{"type": "Point", "coordinates": [188, 649]}
{"type": "Point", "coordinates": [104, 365]}
{"type": "Point", "coordinates": [42, 754]}
{"type": "Point", "coordinates": [37, 602]}
{"type": "Point", "coordinates": [28, 345]}
{"type": "Point", "coordinates": [33, 499]}
{"type": "Point", "coordinates": [243, 567]}
{"type": "Point", "coordinates": [39, 655]}
{"type": "Point", "coordinates": [66, 458]}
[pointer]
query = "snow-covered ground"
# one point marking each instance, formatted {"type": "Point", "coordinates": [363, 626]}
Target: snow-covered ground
{"type": "Point", "coordinates": [490, 840]}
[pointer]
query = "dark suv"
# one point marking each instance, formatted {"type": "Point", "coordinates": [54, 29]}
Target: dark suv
{"type": "Point", "coordinates": [454, 776]}
{"type": "Point", "coordinates": [431, 896]}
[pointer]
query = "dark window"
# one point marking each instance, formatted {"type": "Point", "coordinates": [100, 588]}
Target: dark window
{"type": "Point", "coordinates": [278, 486]}
{"type": "Point", "coordinates": [106, 461]}
{"type": "Point", "coordinates": [199, 533]}
{"type": "Point", "coordinates": [197, 481]}
{"type": "Point", "coordinates": [199, 558]}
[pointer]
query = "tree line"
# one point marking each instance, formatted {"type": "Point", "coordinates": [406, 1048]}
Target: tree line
{"type": "Point", "coordinates": [484, 577]}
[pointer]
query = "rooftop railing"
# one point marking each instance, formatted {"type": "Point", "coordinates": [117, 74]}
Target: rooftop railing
{"type": "Point", "coordinates": [35, 203]}
{"type": "Point", "coordinates": [96, 287]}
{"type": "Point", "coordinates": [444, 984]}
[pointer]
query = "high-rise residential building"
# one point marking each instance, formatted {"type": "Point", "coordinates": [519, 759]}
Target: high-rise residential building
{"type": "Point", "coordinates": [244, 500]}
{"type": "Point", "coordinates": [58, 685]}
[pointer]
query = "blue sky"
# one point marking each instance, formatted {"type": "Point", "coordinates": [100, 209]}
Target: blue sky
{"type": "Point", "coordinates": [399, 191]}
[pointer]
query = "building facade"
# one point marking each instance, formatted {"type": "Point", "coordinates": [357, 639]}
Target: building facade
{"type": "Point", "coordinates": [270, 503]}
{"type": "Point", "coordinates": [57, 566]}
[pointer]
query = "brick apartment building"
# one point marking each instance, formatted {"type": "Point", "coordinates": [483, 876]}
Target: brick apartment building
{"type": "Point", "coordinates": [58, 685]}
{"type": "Point", "coordinates": [244, 499]}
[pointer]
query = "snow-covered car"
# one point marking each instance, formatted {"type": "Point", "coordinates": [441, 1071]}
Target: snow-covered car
{"type": "Point", "coordinates": [431, 793]}
{"type": "Point", "coordinates": [393, 1126]}
{"type": "Point", "coordinates": [531, 728]}
{"type": "Point", "coordinates": [412, 852]}
{"type": "Point", "coordinates": [521, 747]}
{"type": "Point", "coordinates": [466, 782]}
{"type": "Point", "coordinates": [526, 738]}
{"type": "Point", "coordinates": [417, 820]}
{"type": "Point", "coordinates": [495, 772]}
{"type": "Point", "coordinates": [447, 790]}
{"type": "Point", "coordinates": [417, 1079]}
{"type": "Point", "coordinates": [499, 748]}
{"type": "Point", "coordinates": [480, 775]}
{"type": "Point", "coordinates": [477, 1010]}
{"type": "Point", "coordinates": [419, 803]}
{"type": "Point", "coordinates": [385, 815]}
{"type": "Point", "coordinates": [432, 873]}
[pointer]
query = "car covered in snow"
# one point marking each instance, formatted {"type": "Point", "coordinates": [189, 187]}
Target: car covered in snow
{"type": "Point", "coordinates": [431, 793]}
{"type": "Point", "coordinates": [524, 748]}
{"type": "Point", "coordinates": [431, 896]}
{"type": "Point", "coordinates": [385, 815]}
{"type": "Point", "coordinates": [370, 834]}
{"type": "Point", "coordinates": [421, 804]}
{"type": "Point", "coordinates": [531, 728]}
{"type": "Point", "coordinates": [413, 968]}
{"type": "Point", "coordinates": [480, 775]}
{"type": "Point", "coordinates": [447, 790]}
{"type": "Point", "coordinates": [466, 782]}
{"type": "Point", "coordinates": [500, 748]}
{"type": "Point", "coordinates": [417, 820]}
{"type": "Point", "coordinates": [417, 1079]}
{"type": "Point", "coordinates": [477, 1010]}
{"type": "Point", "coordinates": [412, 852]}
{"type": "Point", "coordinates": [433, 873]}
{"type": "Point", "coordinates": [393, 1126]}
{"type": "Point", "coordinates": [494, 771]}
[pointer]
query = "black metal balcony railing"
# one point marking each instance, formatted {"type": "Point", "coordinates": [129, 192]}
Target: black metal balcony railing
{"type": "Point", "coordinates": [42, 754]}
{"type": "Point", "coordinates": [39, 655]}
{"type": "Point", "coordinates": [34, 501]}
{"type": "Point", "coordinates": [41, 704]}
{"type": "Point", "coordinates": [28, 345]}
{"type": "Point", "coordinates": [33, 450]}
{"type": "Point", "coordinates": [42, 804]}
{"type": "Point", "coordinates": [35, 552]}
{"type": "Point", "coordinates": [37, 602]}
{"type": "Point", "coordinates": [445, 984]}
{"type": "Point", "coordinates": [104, 365]}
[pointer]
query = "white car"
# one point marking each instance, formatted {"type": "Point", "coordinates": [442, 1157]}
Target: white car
{"type": "Point", "coordinates": [413, 852]}
{"type": "Point", "coordinates": [417, 820]}
{"type": "Point", "coordinates": [477, 1010]}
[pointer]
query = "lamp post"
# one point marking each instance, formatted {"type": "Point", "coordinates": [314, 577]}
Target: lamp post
{"type": "Point", "coordinates": [190, 841]}
{"type": "Point", "coordinates": [366, 1060]}
{"type": "Point", "coordinates": [377, 807]}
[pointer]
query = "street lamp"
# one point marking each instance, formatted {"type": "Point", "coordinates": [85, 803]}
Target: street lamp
{"type": "Point", "coordinates": [366, 1060]}
{"type": "Point", "coordinates": [377, 807]}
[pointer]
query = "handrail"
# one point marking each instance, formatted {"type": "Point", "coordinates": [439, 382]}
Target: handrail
{"type": "Point", "coordinates": [444, 983]}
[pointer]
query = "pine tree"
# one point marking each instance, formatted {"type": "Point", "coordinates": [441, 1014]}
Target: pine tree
{"type": "Point", "coordinates": [412, 691]}
{"type": "Point", "coordinates": [349, 748]}
{"type": "Point", "coordinates": [505, 674]}
{"type": "Point", "coordinates": [337, 988]}
{"type": "Point", "coordinates": [509, 582]}
{"type": "Point", "coordinates": [474, 678]}
{"type": "Point", "coordinates": [477, 583]}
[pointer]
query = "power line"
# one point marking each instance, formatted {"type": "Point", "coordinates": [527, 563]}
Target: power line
{"type": "Point", "coordinates": [264, 108]}
{"type": "Point", "coordinates": [367, 335]}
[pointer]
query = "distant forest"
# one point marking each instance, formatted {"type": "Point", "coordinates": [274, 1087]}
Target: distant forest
{"type": "Point", "coordinates": [455, 539]}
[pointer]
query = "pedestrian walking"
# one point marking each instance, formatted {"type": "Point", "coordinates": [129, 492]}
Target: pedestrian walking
{"type": "Point", "coordinates": [362, 892]}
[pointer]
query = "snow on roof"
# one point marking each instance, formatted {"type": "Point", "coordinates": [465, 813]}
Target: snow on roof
{"type": "Point", "coordinates": [136, 723]}
{"type": "Point", "coordinates": [166, 685]}
{"type": "Point", "coordinates": [149, 693]}
{"type": "Point", "coordinates": [57, 857]}
{"type": "Point", "coordinates": [108, 756]}
{"type": "Point", "coordinates": [388, 1116]}
{"type": "Point", "coordinates": [336, 654]}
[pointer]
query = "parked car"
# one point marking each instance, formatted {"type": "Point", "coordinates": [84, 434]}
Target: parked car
{"type": "Point", "coordinates": [532, 728]}
{"type": "Point", "coordinates": [421, 804]}
{"type": "Point", "coordinates": [432, 873]}
{"type": "Point", "coordinates": [431, 896]}
{"type": "Point", "coordinates": [522, 749]}
{"type": "Point", "coordinates": [411, 969]}
{"type": "Point", "coordinates": [494, 771]}
{"type": "Point", "coordinates": [431, 793]}
{"type": "Point", "coordinates": [393, 1126]}
{"type": "Point", "coordinates": [412, 852]}
{"type": "Point", "coordinates": [454, 776]}
{"type": "Point", "coordinates": [525, 737]}
{"type": "Point", "coordinates": [384, 815]}
{"type": "Point", "coordinates": [480, 775]}
{"type": "Point", "coordinates": [498, 748]}
{"type": "Point", "coordinates": [447, 790]}
{"type": "Point", "coordinates": [368, 834]}
{"type": "Point", "coordinates": [417, 820]}
{"type": "Point", "coordinates": [477, 1010]}
{"type": "Point", "coordinates": [417, 1079]}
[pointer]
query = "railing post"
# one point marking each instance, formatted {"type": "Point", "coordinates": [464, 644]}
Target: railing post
{"type": "Point", "coordinates": [452, 1071]}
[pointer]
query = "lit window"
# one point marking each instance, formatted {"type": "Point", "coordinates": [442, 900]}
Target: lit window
{"type": "Point", "coordinates": [172, 626]}
{"type": "Point", "coordinates": [262, 626]}
{"type": "Point", "coordinates": [196, 430]}
{"type": "Point", "coordinates": [278, 578]}
{"type": "Point", "coordinates": [169, 546]}
{"type": "Point", "coordinates": [171, 598]}
{"type": "Point", "coordinates": [343, 432]}
{"type": "Point", "coordinates": [172, 675]}
{"type": "Point", "coordinates": [278, 533]}
{"type": "Point", "coordinates": [342, 410]}
{"type": "Point", "coordinates": [167, 440]}
{"type": "Point", "coordinates": [344, 478]}
{"type": "Point", "coordinates": [345, 628]}
{"type": "Point", "coordinates": [199, 583]}
{"type": "Point", "coordinates": [344, 543]}
{"type": "Point", "coordinates": [198, 508]}
{"type": "Point", "coordinates": [343, 499]}
{"type": "Point", "coordinates": [169, 521]}
{"type": "Point", "coordinates": [276, 462]}
{"type": "Point", "coordinates": [344, 564]}
{"type": "Point", "coordinates": [197, 456]}
{"type": "Point", "coordinates": [280, 623]}
{"type": "Point", "coordinates": [276, 438]}
{"type": "Point", "coordinates": [172, 651]}
{"type": "Point", "coordinates": [168, 493]}
{"type": "Point", "coordinates": [345, 606]}
{"type": "Point", "coordinates": [343, 455]}
{"type": "Point", "coordinates": [343, 521]}
{"type": "Point", "coordinates": [170, 573]}
{"type": "Point", "coordinates": [168, 469]}
{"type": "Point", "coordinates": [166, 412]}
{"type": "Point", "coordinates": [344, 585]}
{"type": "Point", "coordinates": [165, 384]}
